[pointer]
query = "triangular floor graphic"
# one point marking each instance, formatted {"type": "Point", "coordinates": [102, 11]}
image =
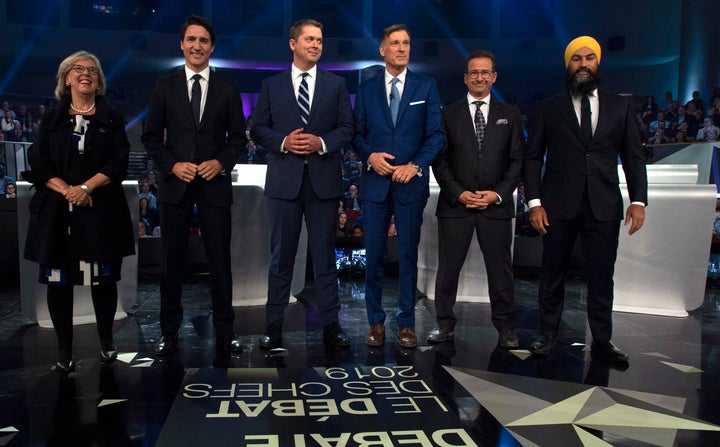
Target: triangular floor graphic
{"type": "Point", "coordinates": [539, 412]}
{"type": "Point", "coordinates": [683, 368]}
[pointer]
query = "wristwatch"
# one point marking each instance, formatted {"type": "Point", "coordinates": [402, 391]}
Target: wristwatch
{"type": "Point", "coordinates": [416, 166]}
{"type": "Point", "coordinates": [85, 188]}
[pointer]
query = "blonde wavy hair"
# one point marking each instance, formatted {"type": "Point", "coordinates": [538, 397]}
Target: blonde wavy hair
{"type": "Point", "coordinates": [66, 65]}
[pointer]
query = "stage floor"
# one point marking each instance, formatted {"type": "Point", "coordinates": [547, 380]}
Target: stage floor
{"type": "Point", "coordinates": [480, 394]}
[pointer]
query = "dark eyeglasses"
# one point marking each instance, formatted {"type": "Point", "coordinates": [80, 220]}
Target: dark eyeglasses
{"type": "Point", "coordinates": [82, 69]}
{"type": "Point", "coordinates": [485, 74]}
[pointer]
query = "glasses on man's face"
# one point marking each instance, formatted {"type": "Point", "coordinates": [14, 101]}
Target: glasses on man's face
{"type": "Point", "coordinates": [82, 69]}
{"type": "Point", "coordinates": [485, 74]}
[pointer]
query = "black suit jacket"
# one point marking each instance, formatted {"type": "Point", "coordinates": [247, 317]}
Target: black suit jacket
{"type": "Point", "coordinates": [570, 167]}
{"type": "Point", "coordinates": [462, 166]}
{"type": "Point", "coordinates": [220, 135]}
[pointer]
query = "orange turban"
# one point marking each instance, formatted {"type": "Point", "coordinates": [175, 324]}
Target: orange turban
{"type": "Point", "coordinates": [579, 42]}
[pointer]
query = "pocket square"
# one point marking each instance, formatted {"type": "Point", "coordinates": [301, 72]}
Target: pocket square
{"type": "Point", "coordinates": [416, 103]}
{"type": "Point", "coordinates": [501, 121]}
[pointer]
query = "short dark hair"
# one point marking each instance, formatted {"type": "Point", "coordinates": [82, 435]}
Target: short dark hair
{"type": "Point", "coordinates": [200, 21]}
{"type": "Point", "coordinates": [477, 54]}
{"type": "Point", "coordinates": [297, 27]}
{"type": "Point", "coordinates": [391, 29]}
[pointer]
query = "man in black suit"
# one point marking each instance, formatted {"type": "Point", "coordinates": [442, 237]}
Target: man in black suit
{"type": "Point", "coordinates": [578, 136]}
{"type": "Point", "coordinates": [303, 118]}
{"type": "Point", "coordinates": [194, 132]}
{"type": "Point", "coordinates": [477, 170]}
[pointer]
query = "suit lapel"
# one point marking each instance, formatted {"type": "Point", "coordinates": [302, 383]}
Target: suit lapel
{"type": "Point", "coordinates": [567, 112]}
{"type": "Point", "coordinates": [212, 97]}
{"type": "Point", "coordinates": [407, 93]}
{"type": "Point", "coordinates": [182, 88]}
{"type": "Point", "coordinates": [605, 104]}
{"type": "Point", "coordinates": [288, 93]}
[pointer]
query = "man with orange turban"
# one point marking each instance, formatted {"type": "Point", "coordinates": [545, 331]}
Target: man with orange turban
{"type": "Point", "coordinates": [578, 136]}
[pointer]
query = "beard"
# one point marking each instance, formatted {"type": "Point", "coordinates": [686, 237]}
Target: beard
{"type": "Point", "coordinates": [582, 87]}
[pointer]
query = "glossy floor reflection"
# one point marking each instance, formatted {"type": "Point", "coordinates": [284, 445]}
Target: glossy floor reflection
{"type": "Point", "coordinates": [492, 390]}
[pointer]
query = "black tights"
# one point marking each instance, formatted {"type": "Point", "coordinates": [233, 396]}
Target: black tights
{"type": "Point", "coordinates": [60, 305]}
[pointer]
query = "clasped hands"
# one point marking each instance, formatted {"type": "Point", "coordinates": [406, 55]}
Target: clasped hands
{"type": "Point", "coordinates": [187, 171]}
{"type": "Point", "coordinates": [77, 196]}
{"type": "Point", "coordinates": [300, 143]}
{"type": "Point", "coordinates": [478, 200]}
{"type": "Point", "coordinates": [400, 174]}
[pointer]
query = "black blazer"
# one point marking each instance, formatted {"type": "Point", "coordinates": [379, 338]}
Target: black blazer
{"type": "Point", "coordinates": [101, 232]}
{"type": "Point", "coordinates": [570, 167]}
{"type": "Point", "coordinates": [461, 166]}
{"type": "Point", "coordinates": [220, 135]}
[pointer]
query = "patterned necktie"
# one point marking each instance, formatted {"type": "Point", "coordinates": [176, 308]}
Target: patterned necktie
{"type": "Point", "coordinates": [195, 98]}
{"type": "Point", "coordinates": [585, 120]}
{"type": "Point", "coordinates": [394, 100]}
{"type": "Point", "coordinates": [304, 99]}
{"type": "Point", "coordinates": [479, 123]}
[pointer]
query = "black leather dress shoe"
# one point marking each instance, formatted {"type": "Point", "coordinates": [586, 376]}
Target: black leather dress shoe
{"type": "Point", "coordinates": [333, 336]}
{"type": "Point", "coordinates": [508, 340]}
{"type": "Point", "coordinates": [108, 354]}
{"type": "Point", "coordinates": [230, 343]}
{"type": "Point", "coordinates": [167, 344]}
{"type": "Point", "coordinates": [543, 345]}
{"type": "Point", "coordinates": [65, 366]}
{"type": "Point", "coordinates": [440, 335]}
{"type": "Point", "coordinates": [609, 352]}
{"type": "Point", "coordinates": [273, 336]}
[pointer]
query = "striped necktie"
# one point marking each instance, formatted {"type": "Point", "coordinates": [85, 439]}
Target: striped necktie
{"type": "Point", "coordinates": [304, 99]}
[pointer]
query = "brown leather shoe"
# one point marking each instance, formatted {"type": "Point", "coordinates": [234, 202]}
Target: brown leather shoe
{"type": "Point", "coordinates": [407, 338]}
{"type": "Point", "coordinates": [376, 335]}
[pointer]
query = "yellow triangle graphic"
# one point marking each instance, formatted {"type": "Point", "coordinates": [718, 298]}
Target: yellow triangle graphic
{"type": "Point", "coordinates": [105, 402]}
{"type": "Point", "coordinates": [522, 354]}
{"type": "Point", "coordinates": [589, 440]}
{"type": "Point", "coordinates": [683, 368]}
{"type": "Point", "coordinates": [563, 412]}
{"type": "Point", "coordinates": [627, 416]}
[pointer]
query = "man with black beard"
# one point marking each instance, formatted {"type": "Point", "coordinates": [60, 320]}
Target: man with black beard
{"type": "Point", "coordinates": [578, 136]}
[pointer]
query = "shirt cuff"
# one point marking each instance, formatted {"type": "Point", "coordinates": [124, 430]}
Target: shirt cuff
{"type": "Point", "coordinates": [534, 202]}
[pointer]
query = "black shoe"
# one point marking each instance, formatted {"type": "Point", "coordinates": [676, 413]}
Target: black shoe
{"type": "Point", "coordinates": [65, 366]}
{"type": "Point", "coordinates": [543, 345]}
{"type": "Point", "coordinates": [508, 340]}
{"type": "Point", "coordinates": [230, 343]}
{"type": "Point", "coordinates": [609, 352]}
{"type": "Point", "coordinates": [440, 335]}
{"type": "Point", "coordinates": [333, 335]}
{"type": "Point", "coordinates": [109, 353]}
{"type": "Point", "coordinates": [273, 336]}
{"type": "Point", "coordinates": [167, 344]}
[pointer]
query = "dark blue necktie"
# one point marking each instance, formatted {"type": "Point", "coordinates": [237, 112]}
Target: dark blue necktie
{"type": "Point", "coordinates": [304, 99]}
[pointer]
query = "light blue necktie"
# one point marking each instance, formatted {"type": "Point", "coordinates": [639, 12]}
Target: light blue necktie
{"type": "Point", "coordinates": [394, 100]}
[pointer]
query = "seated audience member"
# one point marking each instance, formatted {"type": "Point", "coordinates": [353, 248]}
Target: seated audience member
{"type": "Point", "coordinates": [10, 191]}
{"type": "Point", "coordinates": [653, 127]}
{"type": "Point", "coordinates": [152, 182]}
{"type": "Point", "coordinates": [352, 201]}
{"type": "Point", "coordinates": [671, 112]}
{"type": "Point", "coordinates": [149, 167]}
{"type": "Point", "coordinates": [358, 231]}
{"type": "Point", "coordinates": [146, 194]}
{"type": "Point", "coordinates": [666, 104]}
{"type": "Point", "coordinates": [343, 226]}
{"type": "Point", "coordinates": [680, 137]}
{"type": "Point", "coordinates": [148, 214]}
{"type": "Point", "coordinates": [392, 230]}
{"type": "Point", "coordinates": [7, 123]}
{"type": "Point", "coordinates": [254, 154]}
{"type": "Point", "coordinates": [714, 112]}
{"type": "Point", "coordinates": [691, 109]}
{"type": "Point", "coordinates": [697, 103]}
{"type": "Point", "coordinates": [5, 179]}
{"type": "Point", "coordinates": [142, 229]}
{"type": "Point", "coordinates": [23, 117]}
{"type": "Point", "coordinates": [685, 130]}
{"type": "Point", "coordinates": [17, 134]}
{"type": "Point", "coordinates": [649, 110]}
{"type": "Point", "coordinates": [6, 108]}
{"type": "Point", "coordinates": [690, 121]}
{"type": "Point", "coordinates": [708, 132]}
{"type": "Point", "coordinates": [659, 137]}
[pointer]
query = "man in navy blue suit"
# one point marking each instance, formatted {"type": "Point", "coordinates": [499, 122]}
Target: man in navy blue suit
{"type": "Point", "coordinates": [398, 132]}
{"type": "Point", "coordinates": [303, 118]}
